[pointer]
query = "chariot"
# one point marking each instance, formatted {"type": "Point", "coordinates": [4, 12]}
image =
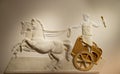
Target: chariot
{"type": "Point", "coordinates": [84, 55]}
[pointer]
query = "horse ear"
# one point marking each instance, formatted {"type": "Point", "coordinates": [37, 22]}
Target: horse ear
{"type": "Point", "coordinates": [22, 24]}
{"type": "Point", "coordinates": [38, 21]}
{"type": "Point", "coordinates": [32, 20]}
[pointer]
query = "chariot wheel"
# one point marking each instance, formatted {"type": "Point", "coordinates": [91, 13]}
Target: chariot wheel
{"type": "Point", "coordinates": [83, 61]}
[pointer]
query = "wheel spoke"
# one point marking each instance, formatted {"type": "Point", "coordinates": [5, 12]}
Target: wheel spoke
{"type": "Point", "coordinates": [88, 61]}
{"type": "Point", "coordinates": [86, 57]}
{"type": "Point", "coordinates": [85, 65]}
{"type": "Point", "coordinates": [79, 61]}
{"type": "Point", "coordinates": [80, 65]}
{"type": "Point", "coordinates": [82, 57]}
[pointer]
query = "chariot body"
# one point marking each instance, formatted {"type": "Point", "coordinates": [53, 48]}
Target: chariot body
{"type": "Point", "coordinates": [84, 55]}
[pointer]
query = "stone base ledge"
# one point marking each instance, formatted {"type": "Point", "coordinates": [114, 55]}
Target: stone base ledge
{"type": "Point", "coordinates": [37, 65]}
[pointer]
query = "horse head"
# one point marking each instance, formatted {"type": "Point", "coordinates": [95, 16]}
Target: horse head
{"type": "Point", "coordinates": [27, 29]}
{"type": "Point", "coordinates": [38, 32]}
{"type": "Point", "coordinates": [33, 29]}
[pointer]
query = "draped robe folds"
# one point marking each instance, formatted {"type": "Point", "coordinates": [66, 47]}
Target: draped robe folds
{"type": "Point", "coordinates": [86, 31]}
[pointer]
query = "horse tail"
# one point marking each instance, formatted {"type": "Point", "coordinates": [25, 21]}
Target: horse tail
{"type": "Point", "coordinates": [67, 44]}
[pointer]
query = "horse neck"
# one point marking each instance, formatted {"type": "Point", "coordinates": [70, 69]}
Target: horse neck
{"type": "Point", "coordinates": [38, 33]}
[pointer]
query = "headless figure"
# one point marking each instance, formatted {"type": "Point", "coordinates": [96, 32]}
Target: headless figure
{"type": "Point", "coordinates": [86, 29]}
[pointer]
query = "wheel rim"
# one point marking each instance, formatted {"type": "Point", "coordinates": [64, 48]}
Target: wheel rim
{"type": "Point", "coordinates": [83, 61]}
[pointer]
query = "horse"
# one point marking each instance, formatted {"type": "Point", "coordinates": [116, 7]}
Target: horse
{"type": "Point", "coordinates": [35, 39]}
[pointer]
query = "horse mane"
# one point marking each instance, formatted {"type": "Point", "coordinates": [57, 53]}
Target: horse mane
{"type": "Point", "coordinates": [41, 26]}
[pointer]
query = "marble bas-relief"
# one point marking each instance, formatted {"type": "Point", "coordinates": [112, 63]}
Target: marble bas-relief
{"type": "Point", "coordinates": [85, 52]}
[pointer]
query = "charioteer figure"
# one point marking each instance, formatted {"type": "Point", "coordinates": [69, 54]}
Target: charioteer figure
{"type": "Point", "coordinates": [85, 52]}
{"type": "Point", "coordinates": [87, 24]}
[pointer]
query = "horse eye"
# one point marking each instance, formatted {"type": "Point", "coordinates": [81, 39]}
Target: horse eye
{"type": "Point", "coordinates": [28, 29]}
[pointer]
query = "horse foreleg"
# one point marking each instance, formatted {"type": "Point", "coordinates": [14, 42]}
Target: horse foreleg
{"type": "Point", "coordinates": [25, 46]}
{"type": "Point", "coordinates": [17, 48]}
{"type": "Point", "coordinates": [52, 65]}
{"type": "Point", "coordinates": [50, 56]}
{"type": "Point", "coordinates": [55, 57]}
{"type": "Point", "coordinates": [58, 64]}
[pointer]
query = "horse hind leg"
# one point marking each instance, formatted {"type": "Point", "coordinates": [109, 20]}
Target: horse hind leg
{"type": "Point", "coordinates": [58, 59]}
{"type": "Point", "coordinates": [67, 52]}
{"type": "Point", "coordinates": [52, 66]}
{"type": "Point", "coordinates": [50, 55]}
{"type": "Point", "coordinates": [53, 56]}
{"type": "Point", "coordinates": [67, 48]}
